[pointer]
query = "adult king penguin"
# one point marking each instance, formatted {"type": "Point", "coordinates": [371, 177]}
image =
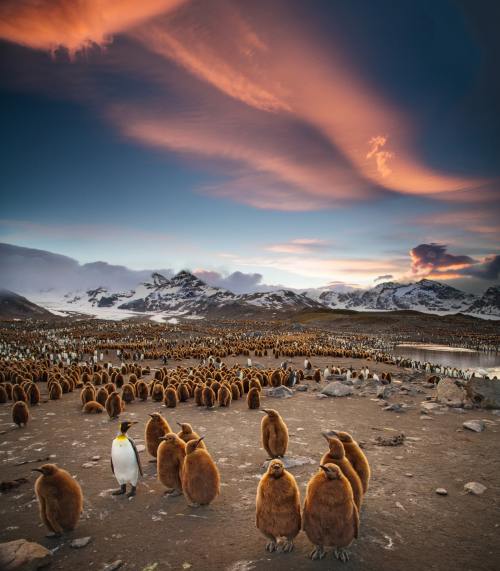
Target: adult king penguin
{"type": "Point", "coordinates": [125, 461]}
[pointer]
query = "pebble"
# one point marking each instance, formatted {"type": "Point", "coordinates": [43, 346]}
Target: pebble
{"type": "Point", "coordinates": [80, 542]}
{"type": "Point", "coordinates": [474, 488]}
{"type": "Point", "coordinates": [88, 465]}
{"type": "Point", "coordinates": [441, 492]}
{"type": "Point", "coordinates": [141, 448]}
{"type": "Point", "coordinates": [95, 458]}
{"type": "Point", "coordinates": [474, 425]}
{"type": "Point", "coordinates": [113, 566]}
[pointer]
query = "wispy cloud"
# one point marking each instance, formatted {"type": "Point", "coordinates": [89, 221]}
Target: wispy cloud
{"type": "Point", "coordinates": [300, 246]}
{"type": "Point", "coordinates": [289, 125]}
{"type": "Point", "coordinates": [74, 24]}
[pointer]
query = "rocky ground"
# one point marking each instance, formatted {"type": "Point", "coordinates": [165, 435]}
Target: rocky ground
{"type": "Point", "coordinates": [406, 524]}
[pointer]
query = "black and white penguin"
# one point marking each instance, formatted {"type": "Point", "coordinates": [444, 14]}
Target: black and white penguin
{"type": "Point", "coordinates": [125, 461]}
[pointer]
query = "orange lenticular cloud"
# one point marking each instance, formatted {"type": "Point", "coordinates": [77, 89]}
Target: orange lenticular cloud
{"type": "Point", "coordinates": [285, 70]}
{"type": "Point", "coordinates": [74, 24]}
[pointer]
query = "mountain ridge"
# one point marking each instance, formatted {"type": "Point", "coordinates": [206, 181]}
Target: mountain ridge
{"type": "Point", "coordinates": [186, 295]}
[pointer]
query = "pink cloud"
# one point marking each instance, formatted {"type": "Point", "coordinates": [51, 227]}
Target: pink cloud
{"type": "Point", "coordinates": [74, 24]}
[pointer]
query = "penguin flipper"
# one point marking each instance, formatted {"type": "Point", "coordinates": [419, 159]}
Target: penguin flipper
{"type": "Point", "coordinates": [356, 521]}
{"type": "Point", "coordinates": [138, 460]}
{"type": "Point", "coordinates": [112, 467]}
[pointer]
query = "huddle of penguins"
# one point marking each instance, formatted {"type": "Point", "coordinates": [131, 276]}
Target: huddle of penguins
{"type": "Point", "coordinates": [329, 515]}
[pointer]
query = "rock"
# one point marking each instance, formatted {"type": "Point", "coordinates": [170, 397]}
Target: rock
{"type": "Point", "coordinates": [113, 566]}
{"type": "Point", "coordinates": [430, 407]}
{"type": "Point", "coordinates": [474, 488]}
{"type": "Point", "coordinates": [88, 465]}
{"type": "Point", "coordinates": [441, 492]}
{"type": "Point", "coordinates": [22, 555]}
{"type": "Point", "coordinates": [483, 392]}
{"type": "Point", "coordinates": [337, 389]}
{"type": "Point", "coordinates": [292, 462]}
{"type": "Point", "coordinates": [395, 407]}
{"type": "Point", "coordinates": [474, 425]}
{"type": "Point", "coordinates": [395, 440]}
{"type": "Point", "coordinates": [140, 448]}
{"type": "Point", "coordinates": [450, 393]}
{"type": "Point", "coordinates": [95, 458]}
{"type": "Point", "coordinates": [301, 388]}
{"type": "Point", "coordinates": [321, 396]}
{"type": "Point", "coordinates": [279, 392]}
{"type": "Point", "coordinates": [80, 542]}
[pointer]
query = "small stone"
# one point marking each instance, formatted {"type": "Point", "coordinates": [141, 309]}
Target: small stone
{"type": "Point", "coordinates": [88, 465]}
{"type": "Point", "coordinates": [80, 542]}
{"type": "Point", "coordinates": [113, 566]}
{"type": "Point", "coordinates": [474, 425]}
{"type": "Point", "coordinates": [95, 458]}
{"type": "Point", "coordinates": [301, 388]}
{"type": "Point", "coordinates": [441, 492]}
{"type": "Point", "coordinates": [140, 448]}
{"type": "Point", "coordinates": [321, 396]}
{"type": "Point", "coordinates": [409, 475]}
{"type": "Point", "coordinates": [474, 488]}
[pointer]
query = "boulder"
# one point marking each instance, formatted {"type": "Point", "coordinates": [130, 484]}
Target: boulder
{"type": "Point", "coordinates": [484, 392]}
{"type": "Point", "coordinates": [279, 392]}
{"type": "Point", "coordinates": [22, 555]}
{"type": "Point", "coordinates": [450, 393]}
{"type": "Point", "coordinates": [291, 462]}
{"type": "Point", "coordinates": [337, 389]}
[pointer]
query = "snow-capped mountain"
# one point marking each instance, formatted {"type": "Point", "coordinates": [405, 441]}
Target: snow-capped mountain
{"type": "Point", "coordinates": [425, 295]}
{"type": "Point", "coordinates": [188, 296]}
{"type": "Point", "coordinates": [488, 303]}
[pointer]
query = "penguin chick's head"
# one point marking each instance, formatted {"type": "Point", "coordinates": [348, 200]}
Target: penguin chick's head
{"type": "Point", "coordinates": [185, 427]}
{"type": "Point", "coordinates": [271, 413]}
{"type": "Point", "coordinates": [192, 445]}
{"type": "Point", "coordinates": [336, 447]}
{"type": "Point", "coordinates": [332, 472]}
{"type": "Point", "coordinates": [276, 468]}
{"type": "Point", "coordinates": [342, 436]}
{"type": "Point", "coordinates": [169, 438]}
{"type": "Point", "coordinates": [126, 424]}
{"type": "Point", "coordinates": [47, 469]}
{"type": "Point", "coordinates": [155, 416]}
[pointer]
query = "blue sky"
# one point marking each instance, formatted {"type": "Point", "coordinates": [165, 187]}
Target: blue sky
{"type": "Point", "coordinates": [310, 142]}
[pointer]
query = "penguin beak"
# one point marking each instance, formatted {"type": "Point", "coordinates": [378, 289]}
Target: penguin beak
{"type": "Point", "coordinates": [198, 441]}
{"type": "Point", "coordinates": [264, 411]}
{"type": "Point", "coordinates": [324, 468]}
{"type": "Point", "coordinates": [37, 470]}
{"type": "Point", "coordinates": [326, 435]}
{"type": "Point", "coordinates": [151, 415]}
{"type": "Point", "coordinates": [134, 422]}
{"type": "Point", "coordinates": [178, 423]}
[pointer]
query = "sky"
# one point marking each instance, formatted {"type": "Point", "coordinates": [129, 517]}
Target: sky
{"type": "Point", "coordinates": [300, 143]}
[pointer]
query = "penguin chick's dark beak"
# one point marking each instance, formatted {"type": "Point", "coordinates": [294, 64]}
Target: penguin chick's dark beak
{"type": "Point", "coordinates": [326, 435]}
{"type": "Point", "coordinates": [178, 423]}
{"type": "Point", "coordinates": [264, 411]}
{"type": "Point", "coordinates": [151, 415]}
{"type": "Point", "coordinates": [324, 468]}
{"type": "Point", "coordinates": [198, 441]}
{"type": "Point", "coordinates": [37, 470]}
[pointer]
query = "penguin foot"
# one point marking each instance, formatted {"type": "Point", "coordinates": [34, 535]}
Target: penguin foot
{"type": "Point", "coordinates": [317, 553]}
{"type": "Point", "coordinates": [132, 492]}
{"type": "Point", "coordinates": [271, 546]}
{"type": "Point", "coordinates": [287, 546]}
{"type": "Point", "coordinates": [121, 491]}
{"type": "Point", "coordinates": [341, 554]}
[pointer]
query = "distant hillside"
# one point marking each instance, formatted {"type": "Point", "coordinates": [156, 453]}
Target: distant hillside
{"type": "Point", "coordinates": [14, 306]}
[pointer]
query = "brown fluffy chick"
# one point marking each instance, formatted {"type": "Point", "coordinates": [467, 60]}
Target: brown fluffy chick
{"type": "Point", "coordinates": [277, 511]}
